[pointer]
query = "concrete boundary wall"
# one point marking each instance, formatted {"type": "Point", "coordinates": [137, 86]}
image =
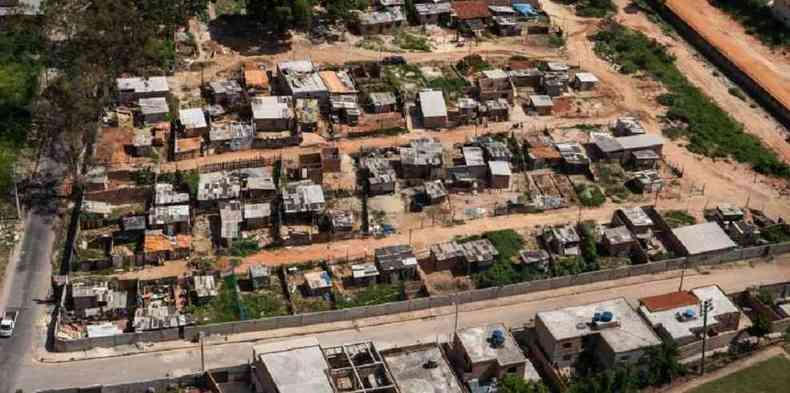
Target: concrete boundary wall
{"type": "Point", "coordinates": [419, 304]}
{"type": "Point", "coordinates": [746, 82]}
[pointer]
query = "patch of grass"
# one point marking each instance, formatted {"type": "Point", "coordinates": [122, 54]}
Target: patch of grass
{"type": "Point", "coordinates": [770, 376]}
{"type": "Point", "coordinates": [472, 64]}
{"type": "Point", "coordinates": [590, 195]}
{"type": "Point", "coordinates": [758, 20]}
{"type": "Point", "coordinates": [223, 308]}
{"type": "Point", "coordinates": [776, 234]}
{"type": "Point", "coordinates": [593, 8]}
{"type": "Point", "coordinates": [413, 42]}
{"type": "Point", "coordinates": [244, 247]}
{"type": "Point", "coordinates": [372, 43]}
{"type": "Point", "coordinates": [263, 305]}
{"type": "Point", "coordinates": [453, 88]}
{"type": "Point", "coordinates": [711, 131]}
{"type": "Point", "coordinates": [678, 218]}
{"type": "Point", "coordinates": [612, 178]}
{"type": "Point", "coordinates": [556, 40]}
{"type": "Point", "coordinates": [374, 294]}
{"type": "Point", "coordinates": [507, 241]}
{"type": "Point", "coordinates": [736, 92]}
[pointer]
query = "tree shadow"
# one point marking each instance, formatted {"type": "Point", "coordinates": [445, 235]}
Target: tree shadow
{"type": "Point", "coordinates": [247, 37]}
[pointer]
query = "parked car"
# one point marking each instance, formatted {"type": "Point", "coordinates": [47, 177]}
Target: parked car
{"type": "Point", "coordinates": [7, 323]}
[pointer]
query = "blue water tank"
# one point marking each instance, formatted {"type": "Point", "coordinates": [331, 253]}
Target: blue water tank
{"type": "Point", "coordinates": [607, 316]}
{"type": "Point", "coordinates": [597, 317]}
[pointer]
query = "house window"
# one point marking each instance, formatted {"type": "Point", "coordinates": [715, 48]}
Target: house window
{"type": "Point", "coordinates": [512, 370]}
{"type": "Point", "coordinates": [624, 358]}
{"type": "Point", "coordinates": [567, 345]}
{"type": "Point", "coordinates": [567, 357]}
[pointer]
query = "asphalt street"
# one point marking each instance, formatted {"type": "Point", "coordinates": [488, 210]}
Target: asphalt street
{"type": "Point", "coordinates": [28, 286]}
{"type": "Point", "coordinates": [35, 375]}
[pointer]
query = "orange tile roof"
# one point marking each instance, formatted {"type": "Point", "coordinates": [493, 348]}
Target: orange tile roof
{"type": "Point", "coordinates": [157, 243]}
{"type": "Point", "coordinates": [471, 9]}
{"type": "Point", "coordinates": [669, 301]}
{"type": "Point", "coordinates": [188, 144]}
{"type": "Point", "coordinates": [544, 152]}
{"type": "Point", "coordinates": [333, 82]}
{"type": "Point", "coordinates": [255, 77]}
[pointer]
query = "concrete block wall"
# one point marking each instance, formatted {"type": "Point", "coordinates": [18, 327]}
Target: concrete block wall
{"type": "Point", "coordinates": [191, 332]}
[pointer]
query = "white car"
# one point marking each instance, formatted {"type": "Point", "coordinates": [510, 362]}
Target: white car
{"type": "Point", "coordinates": [7, 323]}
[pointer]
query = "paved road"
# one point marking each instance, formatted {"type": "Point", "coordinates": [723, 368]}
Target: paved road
{"type": "Point", "coordinates": [436, 328]}
{"type": "Point", "coordinates": [30, 279]}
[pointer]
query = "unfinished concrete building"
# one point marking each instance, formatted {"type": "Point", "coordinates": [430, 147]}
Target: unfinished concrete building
{"type": "Point", "coordinates": [487, 354]}
{"type": "Point", "coordinates": [421, 369]}
{"type": "Point", "coordinates": [396, 263]}
{"type": "Point", "coordinates": [359, 368]}
{"type": "Point", "coordinates": [494, 84]}
{"type": "Point", "coordinates": [422, 159]}
{"type": "Point", "coordinates": [381, 177]}
{"type": "Point", "coordinates": [303, 199]}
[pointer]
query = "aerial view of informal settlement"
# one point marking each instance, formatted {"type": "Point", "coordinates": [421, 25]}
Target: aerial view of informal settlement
{"type": "Point", "coordinates": [394, 196]}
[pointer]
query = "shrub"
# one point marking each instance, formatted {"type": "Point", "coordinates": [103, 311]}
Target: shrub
{"type": "Point", "coordinates": [711, 130]}
{"type": "Point", "coordinates": [590, 195]}
{"type": "Point", "coordinates": [737, 93]}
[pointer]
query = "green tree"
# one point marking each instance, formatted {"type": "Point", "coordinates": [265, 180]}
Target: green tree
{"type": "Point", "coordinates": [302, 12]}
{"type": "Point", "coordinates": [514, 384]}
{"type": "Point", "coordinates": [663, 365]}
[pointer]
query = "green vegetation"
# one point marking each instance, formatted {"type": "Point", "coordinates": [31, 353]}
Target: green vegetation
{"type": "Point", "coordinates": [402, 74]}
{"type": "Point", "coordinates": [472, 64]}
{"type": "Point", "coordinates": [612, 178]}
{"type": "Point", "coordinates": [374, 294]}
{"type": "Point", "coordinates": [504, 272]}
{"type": "Point", "coordinates": [758, 20]}
{"type": "Point", "coordinates": [588, 246]}
{"type": "Point", "coordinates": [453, 88]}
{"type": "Point", "coordinates": [736, 92]}
{"type": "Point", "coordinates": [244, 247]}
{"type": "Point", "coordinates": [222, 308]}
{"type": "Point", "coordinates": [263, 305]}
{"type": "Point", "coordinates": [515, 384]}
{"type": "Point", "coordinates": [557, 40]}
{"type": "Point", "coordinates": [593, 8]}
{"type": "Point", "coordinates": [282, 15]}
{"type": "Point", "coordinates": [770, 376]}
{"type": "Point", "coordinates": [590, 195]}
{"type": "Point", "coordinates": [414, 42]}
{"type": "Point", "coordinates": [710, 130]}
{"type": "Point", "coordinates": [19, 69]}
{"type": "Point", "coordinates": [776, 234]}
{"type": "Point", "coordinates": [661, 367]}
{"type": "Point", "coordinates": [507, 241]}
{"type": "Point", "coordinates": [678, 218]}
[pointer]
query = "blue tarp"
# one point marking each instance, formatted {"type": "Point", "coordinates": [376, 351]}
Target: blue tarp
{"type": "Point", "coordinates": [525, 9]}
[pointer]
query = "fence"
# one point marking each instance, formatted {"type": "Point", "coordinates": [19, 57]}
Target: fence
{"type": "Point", "coordinates": [420, 304]}
{"type": "Point", "coordinates": [208, 379]}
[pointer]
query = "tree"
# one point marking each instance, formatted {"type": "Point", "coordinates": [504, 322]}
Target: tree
{"type": "Point", "coordinates": [663, 365]}
{"type": "Point", "coordinates": [515, 384]}
{"type": "Point", "coordinates": [302, 13]}
{"type": "Point", "coordinates": [761, 326]}
{"type": "Point", "coordinates": [340, 10]}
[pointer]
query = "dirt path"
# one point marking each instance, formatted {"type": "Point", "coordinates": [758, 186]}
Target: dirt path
{"type": "Point", "coordinates": [771, 72]}
{"type": "Point", "coordinates": [701, 73]}
{"type": "Point", "coordinates": [730, 369]}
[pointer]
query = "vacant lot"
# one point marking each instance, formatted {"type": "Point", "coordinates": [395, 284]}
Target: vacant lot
{"type": "Point", "coordinates": [770, 376]}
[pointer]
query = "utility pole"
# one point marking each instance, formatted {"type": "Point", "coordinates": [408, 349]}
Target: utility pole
{"type": "Point", "coordinates": [706, 306]}
{"type": "Point", "coordinates": [682, 276]}
{"type": "Point", "coordinates": [202, 354]}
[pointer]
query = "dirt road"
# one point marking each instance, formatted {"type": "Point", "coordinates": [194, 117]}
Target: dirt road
{"type": "Point", "coordinates": [716, 86]}
{"type": "Point", "coordinates": [727, 36]}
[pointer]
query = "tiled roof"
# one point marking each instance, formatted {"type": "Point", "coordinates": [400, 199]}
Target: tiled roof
{"type": "Point", "coordinates": [471, 9]}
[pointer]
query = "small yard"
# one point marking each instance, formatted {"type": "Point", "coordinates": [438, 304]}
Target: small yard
{"type": "Point", "coordinates": [368, 296]}
{"type": "Point", "coordinates": [678, 218]}
{"type": "Point", "coordinates": [770, 376]}
{"type": "Point", "coordinates": [590, 195]}
{"type": "Point", "coordinates": [612, 177]}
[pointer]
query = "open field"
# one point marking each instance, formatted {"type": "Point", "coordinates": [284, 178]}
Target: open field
{"type": "Point", "coordinates": [770, 376]}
